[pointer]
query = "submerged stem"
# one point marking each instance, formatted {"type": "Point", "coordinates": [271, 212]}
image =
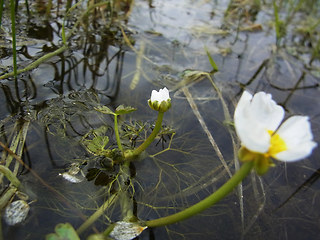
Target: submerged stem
{"type": "Point", "coordinates": [116, 130]}
{"type": "Point", "coordinates": [125, 200]}
{"type": "Point", "coordinates": [97, 214]}
{"type": "Point", "coordinates": [150, 139]}
{"type": "Point", "coordinates": [215, 197]}
{"type": "Point", "coordinates": [10, 176]}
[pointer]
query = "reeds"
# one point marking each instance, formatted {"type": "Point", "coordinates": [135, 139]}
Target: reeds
{"type": "Point", "coordinates": [13, 33]}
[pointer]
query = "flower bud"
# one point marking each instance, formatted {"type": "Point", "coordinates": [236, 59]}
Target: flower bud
{"type": "Point", "coordinates": [160, 101]}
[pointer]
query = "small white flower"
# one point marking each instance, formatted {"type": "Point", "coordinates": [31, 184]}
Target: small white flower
{"type": "Point", "coordinates": [257, 119]}
{"type": "Point", "coordinates": [162, 95]}
{"type": "Point", "coordinates": [160, 101]}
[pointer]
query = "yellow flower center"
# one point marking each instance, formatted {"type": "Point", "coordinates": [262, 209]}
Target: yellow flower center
{"type": "Point", "coordinates": [277, 144]}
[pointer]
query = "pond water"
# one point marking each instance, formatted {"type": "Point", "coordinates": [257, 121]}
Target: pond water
{"type": "Point", "coordinates": [118, 57]}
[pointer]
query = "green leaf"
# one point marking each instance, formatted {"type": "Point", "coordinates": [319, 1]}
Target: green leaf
{"type": "Point", "coordinates": [64, 231]}
{"type": "Point", "coordinates": [104, 109]}
{"type": "Point", "coordinates": [97, 145]}
{"type": "Point", "coordinates": [100, 141]}
{"type": "Point", "coordinates": [124, 110]}
{"type": "Point", "coordinates": [212, 62]}
{"type": "Point", "coordinates": [101, 178]}
{"type": "Point", "coordinates": [99, 236]}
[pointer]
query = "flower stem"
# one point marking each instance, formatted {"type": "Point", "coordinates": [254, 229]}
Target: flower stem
{"type": "Point", "coordinates": [151, 137]}
{"type": "Point", "coordinates": [116, 130]}
{"type": "Point", "coordinates": [207, 202]}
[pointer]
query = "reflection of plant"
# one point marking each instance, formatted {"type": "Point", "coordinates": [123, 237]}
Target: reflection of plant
{"type": "Point", "coordinates": [79, 18]}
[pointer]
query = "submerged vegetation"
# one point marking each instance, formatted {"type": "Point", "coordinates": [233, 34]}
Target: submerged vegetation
{"type": "Point", "coordinates": [83, 157]}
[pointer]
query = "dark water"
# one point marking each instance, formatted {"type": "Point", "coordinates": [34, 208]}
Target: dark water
{"type": "Point", "coordinates": [167, 37]}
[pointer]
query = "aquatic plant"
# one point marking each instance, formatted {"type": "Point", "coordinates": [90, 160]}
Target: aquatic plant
{"type": "Point", "coordinates": [112, 162]}
{"type": "Point", "coordinates": [257, 119]}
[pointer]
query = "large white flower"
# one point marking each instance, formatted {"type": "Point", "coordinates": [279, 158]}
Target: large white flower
{"type": "Point", "coordinates": [257, 119]}
{"type": "Point", "coordinates": [160, 101]}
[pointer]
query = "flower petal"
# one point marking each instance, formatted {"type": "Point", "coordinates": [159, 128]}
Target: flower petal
{"type": "Point", "coordinates": [296, 132]}
{"type": "Point", "coordinates": [162, 95]}
{"type": "Point", "coordinates": [251, 134]}
{"type": "Point", "coordinates": [267, 111]}
{"type": "Point", "coordinates": [154, 96]}
{"type": "Point", "coordinates": [254, 116]}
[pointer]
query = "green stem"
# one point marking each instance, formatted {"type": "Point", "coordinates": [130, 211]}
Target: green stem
{"type": "Point", "coordinates": [223, 191]}
{"type": "Point", "coordinates": [108, 230]}
{"type": "Point", "coordinates": [11, 177]}
{"type": "Point", "coordinates": [97, 214]}
{"type": "Point", "coordinates": [7, 195]}
{"type": "Point", "coordinates": [116, 130]}
{"type": "Point", "coordinates": [278, 23]}
{"type": "Point", "coordinates": [124, 195]}
{"type": "Point", "coordinates": [36, 63]}
{"type": "Point", "coordinates": [151, 137]}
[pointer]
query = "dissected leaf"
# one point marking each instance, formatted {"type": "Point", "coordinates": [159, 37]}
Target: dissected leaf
{"type": "Point", "coordinates": [101, 131]}
{"type": "Point", "coordinates": [124, 110]}
{"type": "Point", "coordinates": [97, 145]}
{"type": "Point", "coordinates": [104, 109]}
{"type": "Point", "coordinates": [64, 231]}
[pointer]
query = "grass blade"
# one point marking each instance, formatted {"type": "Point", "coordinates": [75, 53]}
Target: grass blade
{"type": "Point", "coordinates": [13, 32]}
{"type": "Point", "coordinates": [212, 62]}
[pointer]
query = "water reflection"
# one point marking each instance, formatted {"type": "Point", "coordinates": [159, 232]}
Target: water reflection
{"type": "Point", "coordinates": [58, 98]}
{"type": "Point", "coordinates": [97, 68]}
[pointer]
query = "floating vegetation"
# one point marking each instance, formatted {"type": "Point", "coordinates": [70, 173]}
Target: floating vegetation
{"type": "Point", "coordinates": [126, 230]}
{"type": "Point", "coordinates": [74, 174]}
{"type": "Point", "coordinates": [16, 212]}
{"type": "Point", "coordinates": [63, 231]}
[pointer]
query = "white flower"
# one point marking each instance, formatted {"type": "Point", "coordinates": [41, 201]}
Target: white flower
{"type": "Point", "coordinates": [162, 95]}
{"type": "Point", "coordinates": [160, 101]}
{"type": "Point", "coordinates": [257, 119]}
